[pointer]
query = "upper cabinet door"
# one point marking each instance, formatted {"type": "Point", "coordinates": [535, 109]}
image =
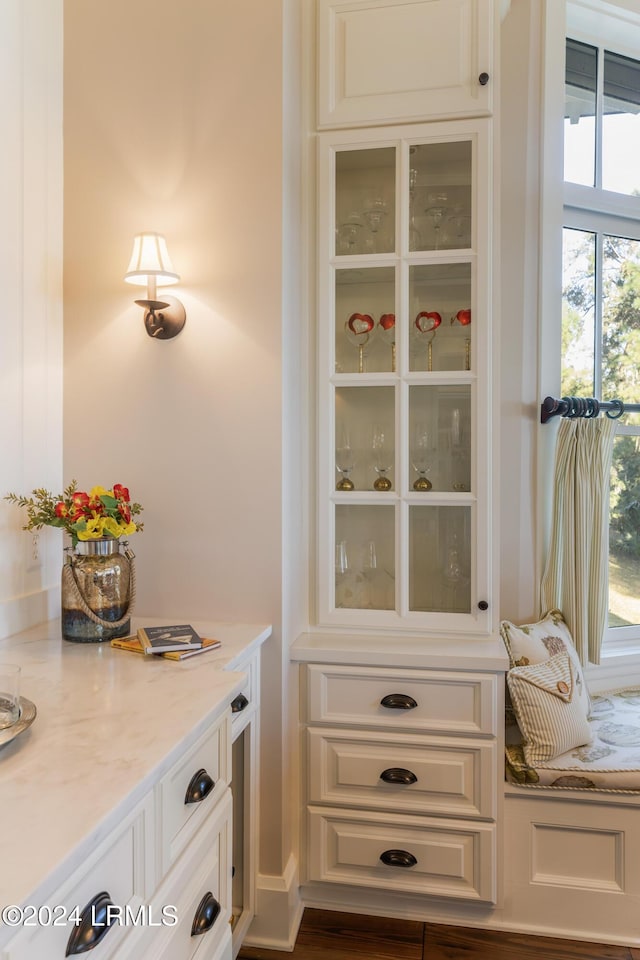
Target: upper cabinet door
{"type": "Point", "coordinates": [381, 61]}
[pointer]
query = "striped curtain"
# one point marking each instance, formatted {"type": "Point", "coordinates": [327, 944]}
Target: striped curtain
{"type": "Point", "coordinates": [576, 578]}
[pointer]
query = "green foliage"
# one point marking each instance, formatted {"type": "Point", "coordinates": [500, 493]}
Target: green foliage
{"type": "Point", "coordinates": [620, 361]}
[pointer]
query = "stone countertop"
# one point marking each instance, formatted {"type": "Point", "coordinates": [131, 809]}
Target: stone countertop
{"type": "Point", "coordinates": [109, 724]}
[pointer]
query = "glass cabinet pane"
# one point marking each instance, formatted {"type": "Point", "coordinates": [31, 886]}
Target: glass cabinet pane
{"type": "Point", "coordinates": [440, 438]}
{"type": "Point", "coordinates": [440, 196]}
{"type": "Point", "coordinates": [365, 320]}
{"type": "Point", "coordinates": [440, 317]}
{"type": "Point", "coordinates": [365, 201]}
{"type": "Point", "coordinates": [440, 559]}
{"type": "Point", "coordinates": [365, 557]}
{"type": "Point", "coordinates": [365, 438]}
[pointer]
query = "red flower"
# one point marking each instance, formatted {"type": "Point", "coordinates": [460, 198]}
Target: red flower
{"type": "Point", "coordinates": [61, 510]}
{"type": "Point", "coordinates": [120, 492]}
{"type": "Point", "coordinates": [124, 511]}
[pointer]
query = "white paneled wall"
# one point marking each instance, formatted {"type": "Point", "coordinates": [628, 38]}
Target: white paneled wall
{"type": "Point", "coordinates": [31, 284]}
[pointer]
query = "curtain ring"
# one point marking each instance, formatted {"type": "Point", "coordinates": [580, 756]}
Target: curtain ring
{"type": "Point", "coordinates": [619, 406]}
{"type": "Point", "coordinates": [593, 408]}
{"type": "Point", "coordinates": [571, 407]}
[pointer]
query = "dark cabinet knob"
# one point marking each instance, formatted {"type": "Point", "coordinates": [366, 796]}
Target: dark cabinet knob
{"type": "Point", "coordinates": [483, 605]}
{"type": "Point", "coordinates": [240, 702]}
{"type": "Point", "coordinates": [398, 858]}
{"type": "Point", "coordinates": [95, 923]}
{"type": "Point", "coordinates": [199, 787]}
{"type": "Point", "coordinates": [398, 701]}
{"type": "Point", "coordinates": [205, 916]}
{"type": "Point", "coordinates": [398, 775]}
{"type": "Point", "coordinates": [483, 79]}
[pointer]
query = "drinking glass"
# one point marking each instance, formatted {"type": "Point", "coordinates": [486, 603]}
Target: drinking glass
{"type": "Point", "coordinates": [421, 455]}
{"type": "Point", "coordinates": [436, 211]}
{"type": "Point", "coordinates": [382, 458]}
{"type": "Point", "coordinates": [9, 694]}
{"type": "Point", "coordinates": [345, 463]}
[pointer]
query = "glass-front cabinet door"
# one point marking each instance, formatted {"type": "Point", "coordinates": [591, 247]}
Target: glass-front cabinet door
{"type": "Point", "coordinates": [404, 378]}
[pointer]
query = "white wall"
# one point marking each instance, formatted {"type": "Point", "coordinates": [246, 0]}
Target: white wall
{"type": "Point", "coordinates": [31, 284]}
{"type": "Point", "coordinates": [174, 123]}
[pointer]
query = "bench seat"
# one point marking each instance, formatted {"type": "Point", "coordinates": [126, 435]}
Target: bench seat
{"type": "Point", "coordinates": [611, 762]}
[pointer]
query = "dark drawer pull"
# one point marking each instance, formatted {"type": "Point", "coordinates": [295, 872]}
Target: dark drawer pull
{"type": "Point", "coordinates": [398, 775]}
{"type": "Point", "coordinates": [199, 787]}
{"type": "Point", "coordinates": [205, 915]}
{"type": "Point", "coordinates": [240, 702]}
{"type": "Point", "coordinates": [398, 858]}
{"type": "Point", "coordinates": [483, 79]}
{"type": "Point", "coordinates": [398, 701]}
{"type": "Point", "coordinates": [95, 923]}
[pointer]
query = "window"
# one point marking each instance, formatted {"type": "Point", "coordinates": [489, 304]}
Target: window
{"type": "Point", "coordinates": [601, 285]}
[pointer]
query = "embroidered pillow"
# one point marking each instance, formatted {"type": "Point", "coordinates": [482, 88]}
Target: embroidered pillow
{"type": "Point", "coordinates": [535, 642]}
{"type": "Point", "coordinates": [551, 715]}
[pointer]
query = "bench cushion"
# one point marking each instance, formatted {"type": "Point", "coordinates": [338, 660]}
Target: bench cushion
{"type": "Point", "coordinates": [610, 762]}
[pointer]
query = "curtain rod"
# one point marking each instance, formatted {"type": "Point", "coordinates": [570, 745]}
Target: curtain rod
{"type": "Point", "coordinates": [586, 407]}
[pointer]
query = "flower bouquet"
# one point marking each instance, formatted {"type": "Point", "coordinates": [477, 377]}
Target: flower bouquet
{"type": "Point", "coordinates": [98, 581]}
{"type": "Point", "coordinates": [99, 514]}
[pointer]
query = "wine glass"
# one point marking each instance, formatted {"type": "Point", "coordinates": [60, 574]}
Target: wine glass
{"type": "Point", "coordinates": [436, 211]}
{"type": "Point", "coordinates": [342, 575]}
{"type": "Point", "coordinates": [387, 328]}
{"type": "Point", "coordinates": [421, 454]}
{"type": "Point", "coordinates": [382, 458]}
{"type": "Point", "coordinates": [415, 238]}
{"type": "Point", "coordinates": [349, 233]}
{"type": "Point", "coordinates": [359, 329]}
{"type": "Point", "coordinates": [425, 326]}
{"type": "Point", "coordinates": [375, 212]}
{"type": "Point", "coordinates": [345, 462]}
{"type": "Point", "coordinates": [460, 225]}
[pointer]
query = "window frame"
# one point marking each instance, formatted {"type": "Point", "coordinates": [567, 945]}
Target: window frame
{"type": "Point", "coordinates": [602, 212]}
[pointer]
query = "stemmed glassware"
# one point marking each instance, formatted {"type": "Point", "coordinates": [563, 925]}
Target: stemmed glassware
{"type": "Point", "coordinates": [374, 213]}
{"type": "Point", "coordinates": [382, 458]}
{"type": "Point", "coordinates": [349, 233]}
{"type": "Point", "coordinates": [415, 238]}
{"type": "Point", "coordinates": [360, 329]}
{"type": "Point", "coordinates": [387, 328]}
{"type": "Point", "coordinates": [436, 211]}
{"type": "Point", "coordinates": [345, 462]}
{"type": "Point", "coordinates": [463, 317]}
{"type": "Point", "coordinates": [425, 326]}
{"type": "Point", "coordinates": [421, 456]}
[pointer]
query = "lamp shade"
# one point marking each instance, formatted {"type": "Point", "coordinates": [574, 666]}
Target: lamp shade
{"type": "Point", "coordinates": [150, 258]}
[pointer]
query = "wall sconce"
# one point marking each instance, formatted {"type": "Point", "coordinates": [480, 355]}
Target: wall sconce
{"type": "Point", "coordinates": [151, 266]}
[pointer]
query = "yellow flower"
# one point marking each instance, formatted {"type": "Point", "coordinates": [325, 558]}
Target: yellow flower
{"type": "Point", "coordinates": [93, 529]}
{"type": "Point", "coordinates": [99, 492]}
{"type": "Point", "coordinates": [112, 527]}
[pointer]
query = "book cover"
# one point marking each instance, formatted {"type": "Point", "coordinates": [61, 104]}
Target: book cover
{"type": "Point", "coordinates": [134, 646]}
{"type": "Point", "coordinates": [171, 637]}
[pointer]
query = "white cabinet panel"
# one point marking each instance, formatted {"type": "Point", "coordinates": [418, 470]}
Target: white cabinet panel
{"type": "Point", "coordinates": [387, 60]}
{"type": "Point", "coordinates": [442, 775]}
{"type": "Point", "coordinates": [435, 856]}
{"type": "Point", "coordinates": [448, 702]}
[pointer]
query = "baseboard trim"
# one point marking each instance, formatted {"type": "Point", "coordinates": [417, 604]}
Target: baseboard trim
{"type": "Point", "coordinates": [279, 910]}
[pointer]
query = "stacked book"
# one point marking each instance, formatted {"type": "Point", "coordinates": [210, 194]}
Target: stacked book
{"type": "Point", "coordinates": [174, 642]}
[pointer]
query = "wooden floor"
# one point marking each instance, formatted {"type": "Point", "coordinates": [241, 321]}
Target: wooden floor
{"type": "Point", "coordinates": [327, 935]}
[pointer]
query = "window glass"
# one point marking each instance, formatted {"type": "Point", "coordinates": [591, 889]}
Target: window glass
{"type": "Point", "coordinates": [580, 113]}
{"type": "Point", "coordinates": [578, 314]}
{"type": "Point", "coordinates": [624, 533]}
{"type": "Point", "coordinates": [621, 124]}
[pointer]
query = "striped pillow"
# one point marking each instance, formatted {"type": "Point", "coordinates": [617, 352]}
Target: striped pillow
{"type": "Point", "coordinates": [551, 715]}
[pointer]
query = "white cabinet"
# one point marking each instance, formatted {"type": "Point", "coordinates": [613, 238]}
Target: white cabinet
{"type": "Point", "coordinates": [129, 850]}
{"type": "Point", "coordinates": [404, 373]}
{"type": "Point", "coordinates": [384, 61]}
{"type": "Point", "coordinates": [402, 779]}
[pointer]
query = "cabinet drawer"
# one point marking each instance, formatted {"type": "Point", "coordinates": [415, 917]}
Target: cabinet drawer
{"type": "Point", "coordinates": [440, 701]}
{"type": "Point", "coordinates": [203, 871]}
{"type": "Point", "coordinates": [245, 704]}
{"type": "Point", "coordinates": [454, 777]}
{"type": "Point", "coordinates": [208, 760]}
{"type": "Point", "coordinates": [445, 858]}
{"type": "Point", "coordinates": [121, 867]}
